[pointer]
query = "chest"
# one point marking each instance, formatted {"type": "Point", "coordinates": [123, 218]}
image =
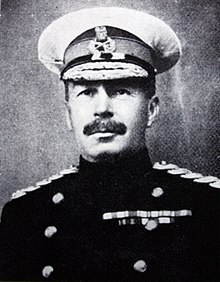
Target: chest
{"type": "Point", "coordinates": [77, 242]}
{"type": "Point", "coordinates": [116, 228]}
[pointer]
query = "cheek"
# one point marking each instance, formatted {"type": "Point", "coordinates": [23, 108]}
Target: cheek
{"type": "Point", "coordinates": [78, 114]}
{"type": "Point", "coordinates": [138, 124]}
{"type": "Point", "coordinates": [133, 114]}
{"type": "Point", "coordinates": [77, 122]}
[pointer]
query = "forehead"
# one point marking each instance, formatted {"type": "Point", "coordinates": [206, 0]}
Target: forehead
{"type": "Point", "coordinates": [114, 83]}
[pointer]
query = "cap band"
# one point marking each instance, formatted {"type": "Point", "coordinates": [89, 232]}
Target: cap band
{"type": "Point", "coordinates": [123, 45]}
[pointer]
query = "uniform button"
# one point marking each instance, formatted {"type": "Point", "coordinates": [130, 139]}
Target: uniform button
{"type": "Point", "coordinates": [47, 271]}
{"type": "Point", "coordinates": [157, 192]}
{"type": "Point", "coordinates": [57, 198]}
{"type": "Point", "coordinates": [50, 231]}
{"type": "Point", "coordinates": [151, 224]}
{"type": "Point", "coordinates": [140, 266]}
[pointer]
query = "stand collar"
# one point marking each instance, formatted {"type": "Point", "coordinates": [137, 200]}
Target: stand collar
{"type": "Point", "coordinates": [136, 165]}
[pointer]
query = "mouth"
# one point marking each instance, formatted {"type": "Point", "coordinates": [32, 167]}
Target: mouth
{"type": "Point", "coordinates": [104, 130]}
{"type": "Point", "coordinates": [104, 134]}
{"type": "Point", "coordinates": [104, 137]}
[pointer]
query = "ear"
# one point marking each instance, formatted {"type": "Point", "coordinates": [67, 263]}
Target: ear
{"type": "Point", "coordinates": [68, 117]}
{"type": "Point", "coordinates": [153, 110]}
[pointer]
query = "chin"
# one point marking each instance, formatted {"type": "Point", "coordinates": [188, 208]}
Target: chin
{"type": "Point", "coordinates": [104, 152]}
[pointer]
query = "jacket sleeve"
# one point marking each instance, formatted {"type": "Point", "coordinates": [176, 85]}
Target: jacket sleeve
{"type": "Point", "coordinates": [11, 245]}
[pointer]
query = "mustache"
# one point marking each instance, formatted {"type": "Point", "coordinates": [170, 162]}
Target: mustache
{"type": "Point", "coordinates": [101, 125]}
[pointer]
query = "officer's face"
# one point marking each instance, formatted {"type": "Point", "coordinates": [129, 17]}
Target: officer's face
{"type": "Point", "coordinates": [109, 118]}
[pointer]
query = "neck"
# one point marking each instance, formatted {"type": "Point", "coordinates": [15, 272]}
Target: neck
{"type": "Point", "coordinates": [136, 163]}
{"type": "Point", "coordinates": [114, 158]}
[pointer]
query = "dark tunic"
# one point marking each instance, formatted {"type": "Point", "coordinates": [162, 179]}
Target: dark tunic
{"type": "Point", "coordinates": [66, 238]}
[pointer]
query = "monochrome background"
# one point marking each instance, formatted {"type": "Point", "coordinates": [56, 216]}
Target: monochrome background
{"type": "Point", "coordinates": [35, 142]}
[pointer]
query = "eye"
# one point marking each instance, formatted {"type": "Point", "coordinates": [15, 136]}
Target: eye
{"type": "Point", "coordinates": [122, 92]}
{"type": "Point", "coordinates": [87, 92]}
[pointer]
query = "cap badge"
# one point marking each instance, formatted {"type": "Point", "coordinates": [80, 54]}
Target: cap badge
{"type": "Point", "coordinates": [102, 43]}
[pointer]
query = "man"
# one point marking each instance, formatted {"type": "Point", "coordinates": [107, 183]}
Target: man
{"type": "Point", "coordinates": [115, 217]}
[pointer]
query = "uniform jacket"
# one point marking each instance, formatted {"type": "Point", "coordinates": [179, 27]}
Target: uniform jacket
{"type": "Point", "coordinates": [122, 222]}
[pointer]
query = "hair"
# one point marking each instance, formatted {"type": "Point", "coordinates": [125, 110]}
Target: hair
{"type": "Point", "coordinates": [149, 83]}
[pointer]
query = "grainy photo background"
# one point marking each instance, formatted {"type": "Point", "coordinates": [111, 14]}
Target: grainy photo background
{"type": "Point", "coordinates": [35, 142]}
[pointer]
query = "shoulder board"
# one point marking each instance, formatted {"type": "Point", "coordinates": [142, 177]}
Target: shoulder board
{"type": "Point", "coordinates": [187, 174]}
{"type": "Point", "coordinates": [23, 192]}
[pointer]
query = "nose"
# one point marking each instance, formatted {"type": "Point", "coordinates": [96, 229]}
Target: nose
{"type": "Point", "coordinates": [103, 103]}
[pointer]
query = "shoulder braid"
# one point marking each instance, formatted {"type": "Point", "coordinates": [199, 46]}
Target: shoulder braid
{"type": "Point", "coordinates": [38, 185]}
{"type": "Point", "coordinates": [173, 169]}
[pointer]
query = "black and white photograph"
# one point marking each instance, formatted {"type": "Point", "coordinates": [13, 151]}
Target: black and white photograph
{"type": "Point", "coordinates": [110, 130]}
